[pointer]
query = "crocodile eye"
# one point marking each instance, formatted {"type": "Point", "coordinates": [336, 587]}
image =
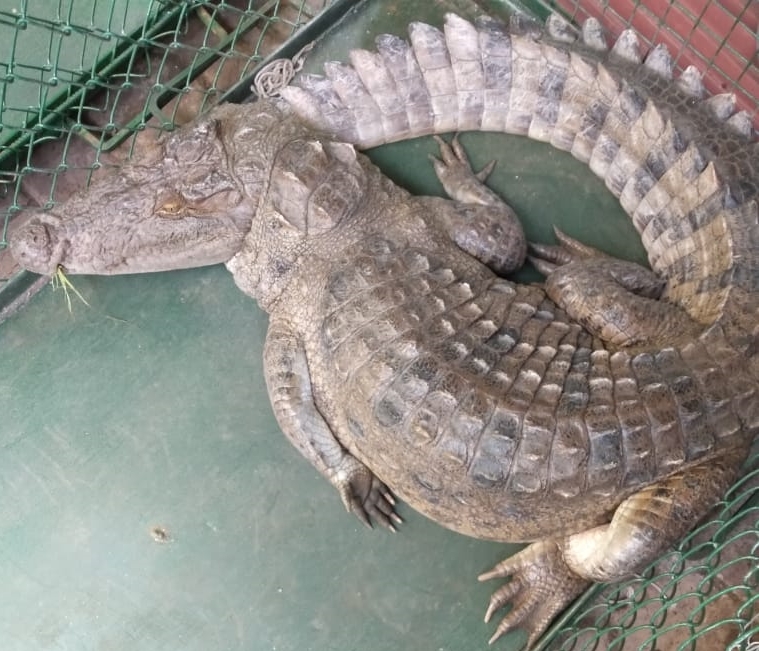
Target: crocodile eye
{"type": "Point", "coordinates": [171, 207]}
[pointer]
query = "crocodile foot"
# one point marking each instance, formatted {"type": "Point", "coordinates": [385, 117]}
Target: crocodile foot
{"type": "Point", "coordinates": [549, 258]}
{"type": "Point", "coordinates": [567, 250]}
{"type": "Point", "coordinates": [459, 180]}
{"type": "Point", "coordinates": [477, 219]}
{"type": "Point", "coordinates": [541, 585]}
{"type": "Point", "coordinates": [613, 299]}
{"type": "Point", "coordinates": [364, 495]}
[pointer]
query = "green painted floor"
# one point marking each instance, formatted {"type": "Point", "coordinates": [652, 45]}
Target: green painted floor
{"type": "Point", "coordinates": [149, 501]}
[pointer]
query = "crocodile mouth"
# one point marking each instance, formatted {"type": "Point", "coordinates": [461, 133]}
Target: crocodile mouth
{"type": "Point", "coordinates": [37, 247]}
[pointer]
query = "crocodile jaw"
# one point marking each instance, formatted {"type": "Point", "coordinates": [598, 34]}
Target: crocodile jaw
{"type": "Point", "coordinates": [47, 243]}
{"type": "Point", "coordinates": [177, 205]}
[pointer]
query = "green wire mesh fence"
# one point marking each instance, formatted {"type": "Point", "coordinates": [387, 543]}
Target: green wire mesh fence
{"type": "Point", "coordinates": [703, 595]}
{"type": "Point", "coordinates": [82, 79]}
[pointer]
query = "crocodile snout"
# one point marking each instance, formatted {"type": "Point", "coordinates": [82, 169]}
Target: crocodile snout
{"type": "Point", "coordinates": [35, 248]}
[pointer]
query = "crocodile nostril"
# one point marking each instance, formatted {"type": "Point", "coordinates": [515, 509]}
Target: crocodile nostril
{"type": "Point", "coordinates": [37, 236]}
{"type": "Point", "coordinates": [31, 246]}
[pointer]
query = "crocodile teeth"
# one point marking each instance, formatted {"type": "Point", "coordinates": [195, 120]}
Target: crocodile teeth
{"type": "Point", "coordinates": [659, 60]}
{"type": "Point", "coordinates": [627, 47]}
{"type": "Point", "coordinates": [560, 28]}
{"type": "Point", "coordinates": [593, 35]}
{"type": "Point", "coordinates": [721, 106]}
{"type": "Point", "coordinates": [690, 82]}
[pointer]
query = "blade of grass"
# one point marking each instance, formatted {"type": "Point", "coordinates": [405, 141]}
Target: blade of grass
{"type": "Point", "coordinates": [60, 279]}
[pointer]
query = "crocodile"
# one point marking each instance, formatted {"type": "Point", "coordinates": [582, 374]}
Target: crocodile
{"type": "Point", "coordinates": [596, 416]}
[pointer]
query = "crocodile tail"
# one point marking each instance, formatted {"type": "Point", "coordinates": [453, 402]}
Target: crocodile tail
{"type": "Point", "coordinates": [685, 167]}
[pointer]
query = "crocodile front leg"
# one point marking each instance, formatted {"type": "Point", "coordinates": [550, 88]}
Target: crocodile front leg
{"type": "Point", "coordinates": [289, 384]}
{"type": "Point", "coordinates": [477, 219]}
{"type": "Point", "coordinates": [548, 574]}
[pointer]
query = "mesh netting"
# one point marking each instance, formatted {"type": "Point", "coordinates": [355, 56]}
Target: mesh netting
{"type": "Point", "coordinates": [82, 77]}
{"type": "Point", "coordinates": [704, 595]}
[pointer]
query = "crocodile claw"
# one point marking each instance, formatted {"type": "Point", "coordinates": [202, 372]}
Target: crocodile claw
{"type": "Point", "coordinates": [364, 495]}
{"type": "Point", "coordinates": [456, 175]}
{"type": "Point", "coordinates": [540, 586]}
{"type": "Point", "coordinates": [548, 257]}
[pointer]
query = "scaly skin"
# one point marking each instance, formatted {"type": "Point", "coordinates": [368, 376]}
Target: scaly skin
{"type": "Point", "coordinates": [598, 416]}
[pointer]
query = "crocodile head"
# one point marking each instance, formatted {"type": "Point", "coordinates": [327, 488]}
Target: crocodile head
{"type": "Point", "coordinates": [179, 205]}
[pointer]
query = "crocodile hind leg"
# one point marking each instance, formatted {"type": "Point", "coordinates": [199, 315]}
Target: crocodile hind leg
{"type": "Point", "coordinates": [548, 574]}
{"type": "Point", "coordinates": [477, 219]}
{"type": "Point", "coordinates": [615, 300]}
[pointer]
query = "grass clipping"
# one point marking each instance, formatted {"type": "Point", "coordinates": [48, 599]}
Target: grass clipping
{"type": "Point", "coordinates": [61, 280]}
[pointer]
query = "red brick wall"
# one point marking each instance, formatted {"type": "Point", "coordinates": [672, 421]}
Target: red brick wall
{"type": "Point", "coordinates": [719, 37]}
